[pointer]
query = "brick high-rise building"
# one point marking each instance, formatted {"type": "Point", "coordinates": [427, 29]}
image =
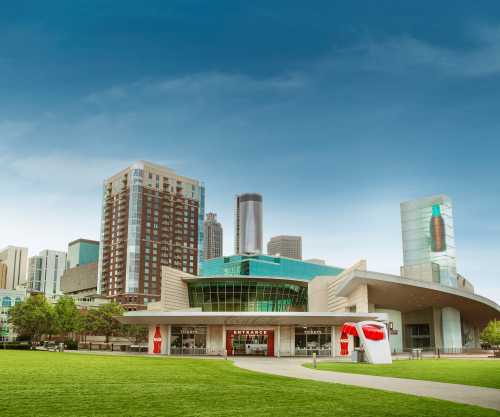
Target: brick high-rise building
{"type": "Point", "coordinates": [212, 232]}
{"type": "Point", "coordinates": [150, 217]}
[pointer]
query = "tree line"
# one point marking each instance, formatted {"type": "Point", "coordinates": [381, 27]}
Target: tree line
{"type": "Point", "coordinates": [35, 318]}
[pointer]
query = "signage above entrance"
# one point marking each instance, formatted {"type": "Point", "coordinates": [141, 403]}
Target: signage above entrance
{"type": "Point", "coordinates": [249, 332]}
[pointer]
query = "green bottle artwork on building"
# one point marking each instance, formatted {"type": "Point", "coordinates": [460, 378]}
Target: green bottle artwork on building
{"type": "Point", "coordinates": [437, 229]}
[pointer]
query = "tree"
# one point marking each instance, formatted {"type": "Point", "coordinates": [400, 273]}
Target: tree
{"type": "Point", "coordinates": [491, 333]}
{"type": "Point", "coordinates": [67, 317]}
{"type": "Point", "coordinates": [33, 318]}
{"type": "Point", "coordinates": [102, 320]}
{"type": "Point", "coordinates": [135, 333]}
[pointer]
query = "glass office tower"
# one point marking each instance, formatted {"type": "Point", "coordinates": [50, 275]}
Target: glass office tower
{"type": "Point", "coordinates": [429, 237]}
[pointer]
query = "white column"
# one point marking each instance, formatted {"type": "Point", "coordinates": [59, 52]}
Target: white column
{"type": "Point", "coordinates": [165, 336]}
{"type": "Point", "coordinates": [333, 343]}
{"type": "Point", "coordinates": [292, 340]}
{"type": "Point", "coordinates": [151, 335]}
{"type": "Point", "coordinates": [223, 339]}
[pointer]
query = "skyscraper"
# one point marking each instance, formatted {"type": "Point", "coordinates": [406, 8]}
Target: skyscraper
{"type": "Point", "coordinates": [150, 217]}
{"type": "Point", "coordinates": [212, 233]}
{"type": "Point", "coordinates": [15, 261]}
{"type": "Point", "coordinates": [287, 246]}
{"type": "Point", "coordinates": [429, 238]}
{"type": "Point", "coordinates": [248, 224]}
{"type": "Point", "coordinates": [82, 252]}
{"type": "Point", "coordinates": [45, 272]}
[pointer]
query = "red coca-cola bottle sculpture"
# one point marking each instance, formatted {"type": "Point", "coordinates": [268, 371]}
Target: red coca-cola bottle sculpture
{"type": "Point", "coordinates": [157, 340]}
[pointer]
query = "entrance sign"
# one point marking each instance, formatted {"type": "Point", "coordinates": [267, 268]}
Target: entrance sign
{"type": "Point", "coordinates": [250, 342]}
{"type": "Point", "coordinates": [157, 341]}
{"type": "Point", "coordinates": [373, 339]}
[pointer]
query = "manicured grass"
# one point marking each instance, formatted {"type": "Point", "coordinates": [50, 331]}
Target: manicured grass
{"type": "Point", "coordinates": [65, 384]}
{"type": "Point", "coordinates": [482, 373]}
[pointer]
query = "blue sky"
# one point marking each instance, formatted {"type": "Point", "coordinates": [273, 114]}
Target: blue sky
{"type": "Point", "coordinates": [335, 113]}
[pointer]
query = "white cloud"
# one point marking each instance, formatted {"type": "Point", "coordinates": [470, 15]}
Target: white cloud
{"type": "Point", "coordinates": [409, 54]}
{"type": "Point", "coordinates": [199, 84]}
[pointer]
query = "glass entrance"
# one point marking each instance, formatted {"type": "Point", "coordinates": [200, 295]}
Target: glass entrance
{"type": "Point", "coordinates": [250, 342]}
{"type": "Point", "coordinates": [250, 345]}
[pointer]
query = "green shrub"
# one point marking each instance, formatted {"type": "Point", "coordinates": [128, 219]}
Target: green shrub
{"type": "Point", "coordinates": [15, 345]}
{"type": "Point", "coordinates": [71, 344]}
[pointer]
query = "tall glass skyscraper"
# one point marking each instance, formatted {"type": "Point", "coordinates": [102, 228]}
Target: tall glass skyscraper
{"type": "Point", "coordinates": [248, 224]}
{"type": "Point", "coordinates": [429, 236]}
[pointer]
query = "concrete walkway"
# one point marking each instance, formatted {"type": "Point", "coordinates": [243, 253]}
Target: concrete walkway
{"type": "Point", "coordinates": [466, 394]}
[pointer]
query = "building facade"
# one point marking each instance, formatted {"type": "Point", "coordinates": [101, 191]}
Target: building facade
{"type": "Point", "coordinates": [265, 266]}
{"type": "Point", "coordinates": [248, 224]}
{"type": "Point", "coordinates": [286, 246]}
{"type": "Point", "coordinates": [429, 253]}
{"type": "Point", "coordinates": [8, 299]}
{"type": "Point", "coordinates": [212, 234]}
{"type": "Point", "coordinates": [279, 316]}
{"type": "Point", "coordinates": [429, 237]}
{"type": "Point", "coordinates": [151, 217]}
{"type": "Point", "coordinates": [82, 252]}
{"type": "Point", "coordinates": [45, 272]}
{"type": "Point", "coordinates": [80, 281]}
{"type": "Point", "coordinates": [15, 266]}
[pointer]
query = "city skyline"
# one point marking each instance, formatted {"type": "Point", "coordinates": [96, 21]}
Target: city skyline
{"type": "Point", "coordinates": [335, 123]}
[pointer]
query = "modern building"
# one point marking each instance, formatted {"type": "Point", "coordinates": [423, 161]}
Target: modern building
{"type": "Point", "coordinates": [212, 233]}
{"type": "Point", "coordinates": [429, 238]}
{"type": "Point", "coordinates": [429, 253]}
{"type": "Point", "coordinates": [45, 272]}
{"type": "Point", "coordinates": [274, 306]}
{"type": "Point", "coordinates": [280, 316]}
{"type": "Point", "coordinates": [14, 270]}
{"type": "Point", "coordinates": [248, 224]}
{"type": "Point", "coordinates": [287, 246]}
{"type": "Point", "coordinates": [151, 217]}
{"type": "Point", "coordinates": [80, 281]}
{"type": "Point", "coordinates": [3, 275]}
{"type": "Point", "coordinates": [82, 252]}
{"type": "Point", "coordinates": [265, 266]}
{"type": "Point", "coordinates": [8, 299]}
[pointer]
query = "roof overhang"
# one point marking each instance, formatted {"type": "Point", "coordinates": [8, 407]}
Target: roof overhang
{"type": "Point", "coordinates": [281, 280]}
{"type": "Point", "coordinates": [404, 294]}
{"type": "Point", "coordinates": [246, 318]}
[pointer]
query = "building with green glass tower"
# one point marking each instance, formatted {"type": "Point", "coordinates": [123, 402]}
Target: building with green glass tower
{"type": "Point", "coordinates": [82, 252]}
{"type": "Point", "coordinates": [265, 266]}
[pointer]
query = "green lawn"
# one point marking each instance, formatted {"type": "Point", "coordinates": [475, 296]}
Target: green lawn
{"type": "Point", "coordinates": [483, 373]}
{"type": "Point", "coordinates": [65, 384]}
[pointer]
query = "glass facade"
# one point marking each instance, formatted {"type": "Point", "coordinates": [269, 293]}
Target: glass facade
{"type": "Point", "coordinates": [265, 266]}
{"type": "Point", "coordinates": [134, 232]}
{"type": "Point", "coordinates": [188, 340]}
{"type": "Point", "coordinates": [429, 237]}
{"type": "Point", "coordinates": [82, 252]}
{"type": "Point", "coordinates": [309, 340]}
{"type": "Point", "coordinates": [247, 295]}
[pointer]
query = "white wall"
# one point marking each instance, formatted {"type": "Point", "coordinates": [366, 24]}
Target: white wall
{"type": "Point", "coordinates": [395, 340]}
{"type": "Point", "coordinates": [452, 329]}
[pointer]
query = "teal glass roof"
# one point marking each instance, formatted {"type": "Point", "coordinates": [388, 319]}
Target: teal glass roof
{"type": "Point", "coordinates": [265, 266]}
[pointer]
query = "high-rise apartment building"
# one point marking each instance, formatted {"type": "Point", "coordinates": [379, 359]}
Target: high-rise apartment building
{"type": "Point", "coordinates": [15, 261]}
{"type": "Point", "coordinates": [212, 233]}
{"type": "Point", "coordinates": [429, 239]}
{"type": "Point", "coordinates": [248, 224]}
{"type": "Point", "coordinates": [45, 272]}
{"type": "Point", "coordinates": [151, 217]}
{"type": "Point", "coordinates": [82, 252]}
{"type": "Point", "coordinates": [287, 246]}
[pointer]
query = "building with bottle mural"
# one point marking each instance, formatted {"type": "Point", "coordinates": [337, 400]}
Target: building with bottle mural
{"type": "Point", "coordinates": [274, 306]}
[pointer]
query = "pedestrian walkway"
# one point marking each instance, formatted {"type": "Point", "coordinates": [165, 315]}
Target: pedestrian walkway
{"type": "Point", "coordinates": [465, 394]}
